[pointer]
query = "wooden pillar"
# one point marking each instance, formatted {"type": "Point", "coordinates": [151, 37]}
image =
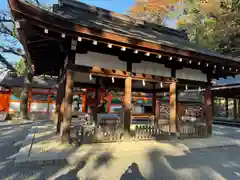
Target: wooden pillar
{"type": "Point", "coordinates": [83, 101]}
{"type": "Point", "coordinates": [238, 109]}
{"type": "Point", "coordinates": [67, 116]}
{"type": "Point", "coordinates": [86, 102]}
{"type": "Point", "coordinates": [97, 101]}
{"type": "Point", "coordinates": [173, 107]}
{"type": "Point", "coordinates": [109, 102]}
{"type": "Point", "coordinates": [226, 107]}
{"type": "Point", "coordinates": [29, 99]}
{"type": "Point", "coordinates": [235, 108]}
{"type": "Point", "coordinates": [157, 110]}
{"type": "Point", "coordinates": [58, 112]}
{"type": "Point", "coordinates": [208, 109]}
{"type": "Point", "coordinates": [9, 98]}
{"type": "Point", "coordinates": [154, 103]}
{"type": "Point", "coordinates": [49, 101]}
{"type": "Point", "coordinates": [127, 105]}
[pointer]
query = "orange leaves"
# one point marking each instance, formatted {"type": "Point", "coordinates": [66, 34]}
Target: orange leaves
{"type": "Point", "coordinates": [181, 22]}
{"type": "Point", "coordinates": [154, 7]}
{"type": "Point", "coordinates": [139, 7]}
{"type": "Point", "coordinates": [210, 6]}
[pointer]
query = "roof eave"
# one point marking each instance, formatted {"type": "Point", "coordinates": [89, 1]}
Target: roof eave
{"type": "Point", "coordinates": [77, 28]}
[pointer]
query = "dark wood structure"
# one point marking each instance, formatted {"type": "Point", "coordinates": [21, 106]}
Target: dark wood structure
{"type": "Point", "coordinates": [86, 46]}
{"type": "Point", "coordinates": [229, 94]}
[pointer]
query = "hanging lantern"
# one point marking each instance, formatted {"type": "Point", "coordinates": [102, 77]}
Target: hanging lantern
{"type": "Point", "coordinates": [161, 84]}
{"type": "Point", "coordinates": [90, 76]}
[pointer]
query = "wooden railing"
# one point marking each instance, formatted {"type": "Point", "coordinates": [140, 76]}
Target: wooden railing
{"type": "Point", "coordinates": [111, 130]}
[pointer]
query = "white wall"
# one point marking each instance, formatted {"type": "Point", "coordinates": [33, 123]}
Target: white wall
{"type": "Point", "coordinates": [14, 106]}
{"type": "Point", "coordinates": [112, 62]}
{"type": "Point", "coordinates": [100, 60]}
{"type": "Point", "coordinates": [151, 68]}
{"type": "Point", "coordinates": [191, 74]}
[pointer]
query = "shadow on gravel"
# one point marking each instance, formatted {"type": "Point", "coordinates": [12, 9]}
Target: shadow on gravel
{"type": "Point", "coordinates": [132, 172]}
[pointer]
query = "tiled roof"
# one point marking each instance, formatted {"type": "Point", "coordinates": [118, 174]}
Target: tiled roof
{"type": "Point", "coordinates": [108, 21]}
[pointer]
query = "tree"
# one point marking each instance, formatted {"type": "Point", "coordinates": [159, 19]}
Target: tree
{"type": "Point", "coordinates": [20, 67]}
{"type": "Point", "coordinates": [154, 10]}
{"type": "Point", "coordinates": [12, 45]}
{"type": "Point", "coordinates": [5, 65]}
{"type": "Point", "coordinates": [212, 24]}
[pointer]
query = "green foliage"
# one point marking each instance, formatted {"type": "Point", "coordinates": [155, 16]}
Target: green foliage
{"type": "Point", "coordinates": [20, 67]}
{"type": "Point", "coordinates": [212, 24]}
{"type": "Point", "coordinates": [153, 10]}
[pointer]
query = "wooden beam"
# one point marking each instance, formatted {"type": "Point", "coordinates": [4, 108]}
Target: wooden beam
{"type": "Point", "coordinates": [109, 98]}
{"type": "Point", "coordinates": [157, 111]}
{"type": "Point", "coordinates": [84, 102]}
{"type": "Point", "coordinates": [29, 99]}
{"type": "Point", "coordinates": [84, 85]}
{"type": "Point", "coordinates": [103, 72]}
{"type": "Point", "coordinates": [154, 103]}
{"type": "Point", "coordinates": [173, 107]}
{"type": "Point", "coordinates": [97, 102]}
{"type": "Point", "coordinates": [208, 110]}
{"type": "Point", "coordinates": [177, 121]}
{"type": "Point", "coordinates": [238, 108]}
{"type": "Point", "coordinates": [115, 86]}
{"type": "Point", "coordinates": [127, 105]}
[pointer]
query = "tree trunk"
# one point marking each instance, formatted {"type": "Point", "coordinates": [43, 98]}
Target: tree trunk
{"type": "Point", "coordinates": [65, 123]}
{"type": "Point", "coordinates": [67, 106]}
{"type": "Point", "coordinates": [28, 76]}
{"type": "Point", "coordinates": [59, 119]}
{"type": "Point", "coordinates": [59, 122]}
{"type": "Point", "coordinates": [24, 104]}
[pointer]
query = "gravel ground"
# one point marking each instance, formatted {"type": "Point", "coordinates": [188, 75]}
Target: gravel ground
{"type": "Point", "coordinates": [226, 131]}
{"type": "Point", "coordinates": [212, 163]}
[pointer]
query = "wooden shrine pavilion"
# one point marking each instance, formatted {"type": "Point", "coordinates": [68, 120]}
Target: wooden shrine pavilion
{"type": "Point", "coordinates": [90, 47]}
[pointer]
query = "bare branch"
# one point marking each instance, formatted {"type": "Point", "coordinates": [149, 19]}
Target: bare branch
{"type": "Point", "coordinates": [3, 70]}
{"type": "Point", "coordinates": [37, 2]}
{"type": "Point", "coordinates": [5, 19]}
{"type": "Point", "coordinates": [12, 50]}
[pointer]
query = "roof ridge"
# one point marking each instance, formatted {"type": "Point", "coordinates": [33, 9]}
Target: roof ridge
{"type": "Point", "coordinates": [124, 17]}
{"type": "Point", "coordinates": [95, 9]}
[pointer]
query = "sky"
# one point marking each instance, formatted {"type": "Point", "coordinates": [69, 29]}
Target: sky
{"type": "Point", "coordinates": [119, 6]}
